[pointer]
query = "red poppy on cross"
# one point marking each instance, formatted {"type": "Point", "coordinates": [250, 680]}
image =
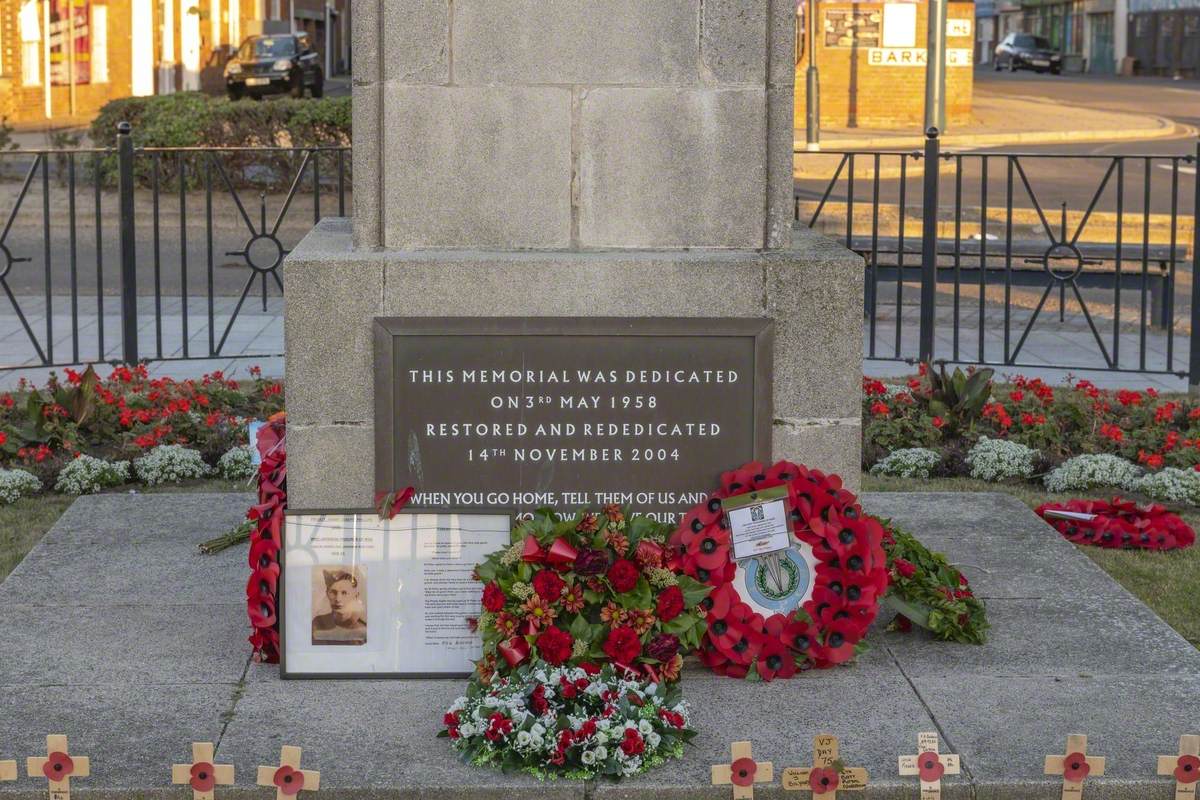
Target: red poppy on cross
{"type": "Point", "coordinates": [288, 779]}
{"type": "Point", "coordinates": [58, 767]}
{"type": "Point", "coordinates": [827, 774]}
{"type": "Point", "coordinates": [1074, 766]}
{"type": "Point", "coordinates": [202, 774]}
{"type": "Point", "coordinates": [929, 765]}
{"type": "Point", "coordinates": [743, 772]}
{"type": "Point", "coordinates": [1185, 768]}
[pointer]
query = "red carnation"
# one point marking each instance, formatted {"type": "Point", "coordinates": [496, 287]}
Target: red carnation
{"type": "Point", "coordinates": [548, 585]}
{"type": "Point", "coordinates": [623, 645]}
{"type": "Point", "coordinates": [493, 597]}
{"type": "Point", "coordinates": [623, 575]}
{"type": "Point", "coordinates": [555, 645]}
{"type": "Point", "coordinates": [905, 568]}
{"type": "Point", "coordinates": [670, 603]}
{"type": "Point", "coordinates": [663, 647]}
{"type": "Point", "coordinates": [538, 701]}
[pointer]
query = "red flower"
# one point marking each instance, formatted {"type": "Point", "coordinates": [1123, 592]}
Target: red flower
{"type": "Point", "coordinates": [774, 660]}
{"type": "Point", "coordinates": [1075, 767]}
{"type": "Point", "coordinates": [289, 781]}
{"type": "Point", "coordinates": [493, 597]}
{"type": "Point", "coordinates": [930, 767]}
{"type": "Point", "coordinates": [548, 585]}
{"type": "Point", "coordinates": [203, 779]}
{"type": "Point", "coordinates": [3, 437]}
{"type": "Point", "coordinates": [538, 700]}
{"type": "Point", "coordinates": [823, 780]}
{"type": "Point", "coordinates": [499, 726]}
{"type": "Point", "coordinates": [555, 645]}
{"type": "Point", "coordinates": [623, 575]}
{"type": "Point", "coordinates": [1187, 769]}
{"type": "Point", "coordinates": [622, 645]}
{"type": "Point", "coordinates": [58, 766]}
{"type": "Point", "coordinates": [906, 568]}
{"type": "Point", "coordinates": [741, 772]}
{"type": "Point", "coordinates": [632, 744]}
{"type": "Point", "coordinates": [670, 603]}
{"type": "Point", "coordinates": [938, 422]}
{"type": "Point", "coordinates": [880, 409]}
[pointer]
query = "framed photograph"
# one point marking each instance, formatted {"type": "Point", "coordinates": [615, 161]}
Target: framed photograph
{"type": "Point", "coordinates": [367, 597]}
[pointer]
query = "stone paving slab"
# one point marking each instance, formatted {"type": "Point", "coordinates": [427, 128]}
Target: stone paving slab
{"type": "Point", "coordinates": [135, 681]}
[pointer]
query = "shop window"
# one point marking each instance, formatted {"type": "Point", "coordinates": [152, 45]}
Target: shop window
{"type": "Point", "coordinates": [31, 44]}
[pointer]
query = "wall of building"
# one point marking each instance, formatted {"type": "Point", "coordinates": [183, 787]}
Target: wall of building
{"type": "Point", "coordinates": [871, 60]}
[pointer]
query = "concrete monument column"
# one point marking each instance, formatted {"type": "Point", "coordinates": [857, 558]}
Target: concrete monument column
{"type": "Point", "coordinates": [560, 158]}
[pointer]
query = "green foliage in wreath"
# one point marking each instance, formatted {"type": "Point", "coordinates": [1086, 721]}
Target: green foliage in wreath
{"type": "Point", "coordinates": [928, 592]}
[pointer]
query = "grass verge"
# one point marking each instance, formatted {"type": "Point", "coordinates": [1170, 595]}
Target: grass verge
{"type": "Point", "coordinates": [25, 522]}
{"type": "Point", "coordinates": [1167, 582]}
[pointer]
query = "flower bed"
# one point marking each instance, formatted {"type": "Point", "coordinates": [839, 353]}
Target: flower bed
{"type": "Point", "coordinates": [83, 433]}
{"type": "Point", "coordinates": [1074, 437]}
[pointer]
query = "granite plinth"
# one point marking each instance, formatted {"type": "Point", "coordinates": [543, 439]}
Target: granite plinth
{"type": "Point", "coordinates": [134, 678]}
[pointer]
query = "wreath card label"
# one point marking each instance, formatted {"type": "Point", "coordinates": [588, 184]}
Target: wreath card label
{"type": "Point", "coordinates": [758, 522]}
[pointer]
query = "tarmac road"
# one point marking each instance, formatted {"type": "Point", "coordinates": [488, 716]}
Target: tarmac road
{"type": "Point", "coordinates": [1055, 180]}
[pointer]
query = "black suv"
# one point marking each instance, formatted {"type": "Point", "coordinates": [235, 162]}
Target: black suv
{"type": "Point", "coordinates": [274, 65]}
{"type": "Point", "coordinates": [1026, 51]}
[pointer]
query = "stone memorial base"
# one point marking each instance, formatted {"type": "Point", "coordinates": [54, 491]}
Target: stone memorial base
{"type": "Point", "coordinates": [813, 292]}
{"type": "Point", "coordinates": [117, 633]}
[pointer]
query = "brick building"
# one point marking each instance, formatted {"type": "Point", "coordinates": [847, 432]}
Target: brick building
{"type": "Point", "coordinates": [871, 60]}
{"type": "Point", "coordinates": [61, 60]}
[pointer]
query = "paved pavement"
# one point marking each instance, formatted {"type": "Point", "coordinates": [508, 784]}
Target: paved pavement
{"type": "Point", "coordinates": [127, 640]}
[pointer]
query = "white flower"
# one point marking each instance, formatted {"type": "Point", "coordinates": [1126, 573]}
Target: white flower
{"type": "Point", "coordinates": [601, 753]}
{"type": "Point", "coordinates": [653, 740]}
{"type": "Point", "coordinates": [237, 464]}
{"type": "Point", "coordinates": [536, 741]}
{"type": "Point", "coordinates": [537, 729]}
{"type": "Point", "coordinates": [1090, 471]}
{"type": "Point", "coordinates": [17, 483]}
{"type": "Point", "coordinates": [1169, 484]}
{"type": "Point", "coordinates": [523, 738]}
{"type": "Point", "coordinates": [588, 757]}
{"type": "Point", "coordinates": [1000, 459]}
{"type": "Point", "coordinates": [466, 730]}
{"type": "Point", "coordinates": [908, 462]}
{"type": "Point", "coordinates": [170, 463]}
{"type": "Point", "coordinates": [88, 475]}
{"type": "Point", "coordinates": [645, 727]}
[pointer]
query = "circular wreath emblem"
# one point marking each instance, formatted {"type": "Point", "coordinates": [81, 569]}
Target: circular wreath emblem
{"type": "Point", "coordinates": [1120, 524]}
{"type": "Point", "coordinates": [805, 607]}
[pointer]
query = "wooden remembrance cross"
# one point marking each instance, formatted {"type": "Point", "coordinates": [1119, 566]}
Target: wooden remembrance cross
{"type": "Point", "coordinates": [1075, 766]}
{"type": "Point", "coordinates": [288, 779]}
{"type": "Point", "coordinates": [743, 772]}
{"type": "Point", "coordinates": [202, 773]}
{"type": "Point", "coordinates": [58, 767]}
{"type": "Point", "coordinates": [1185, 767]}
{"type": "Point", "coordinates": [826, 776]}
{"type": "Point", "coordinates": [8, 770]}
{"type": "Point", "coordinates": [929, 765]}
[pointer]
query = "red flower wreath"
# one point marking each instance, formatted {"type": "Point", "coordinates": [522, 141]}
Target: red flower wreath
{"type": "Point", "coordinates": [262, 587]}
{"type": "Point", "coordinates": [1121, 524]}
{"type": "Point", "coordinates": [850, 576]}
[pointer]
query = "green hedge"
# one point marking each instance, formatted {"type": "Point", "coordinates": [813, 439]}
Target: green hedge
{"type": "Point", "coordinates": [192, 119]}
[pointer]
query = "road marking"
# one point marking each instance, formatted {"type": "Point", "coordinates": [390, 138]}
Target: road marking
{"type": "Point", "coordinates": [1184, 170]}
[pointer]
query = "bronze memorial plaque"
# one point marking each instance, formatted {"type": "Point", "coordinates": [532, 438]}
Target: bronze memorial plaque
{"type": "Point", "coordinates": [569, 412]}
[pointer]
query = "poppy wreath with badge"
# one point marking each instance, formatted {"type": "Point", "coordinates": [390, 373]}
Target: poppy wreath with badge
{"type": "Point", "coordinates": [266, 538]}
{"type": "Point", "coordinates": [843, 573]}
{"type": "Point", "coordinates": [1121, 524]}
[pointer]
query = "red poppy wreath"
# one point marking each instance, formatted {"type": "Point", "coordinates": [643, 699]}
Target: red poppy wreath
{"type": "Point", "coordinates": [833, 576]}
{"type": "Point", "coordinates": [1121, 524]}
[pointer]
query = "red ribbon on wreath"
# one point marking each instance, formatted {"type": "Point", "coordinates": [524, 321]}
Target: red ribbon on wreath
{"type": "Point", "coordinates": [1120, 524]}
{"type": "Point", "coordinates": [851, 575]}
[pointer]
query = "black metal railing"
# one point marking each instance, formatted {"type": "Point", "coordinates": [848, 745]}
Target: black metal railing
{"type": "Point", "coordinates": [126, 254]}
{"type": "Point", "coordinates": [177, 239]}
{"type": "Point", "coordinates": [1117, 254]}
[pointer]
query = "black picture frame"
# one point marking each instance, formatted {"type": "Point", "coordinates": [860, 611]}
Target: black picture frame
{"type": "Point", "coordinates": [281, 600]}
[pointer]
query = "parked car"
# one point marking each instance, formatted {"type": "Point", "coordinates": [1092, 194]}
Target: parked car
{"type": "Point", "coordinates": [273, 65]}
{"type": "Point", "coordinates": [1026, 51]}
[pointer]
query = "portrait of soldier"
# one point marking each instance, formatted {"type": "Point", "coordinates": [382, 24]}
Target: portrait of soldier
{"type": "Point", "coordinates": [341, 591]}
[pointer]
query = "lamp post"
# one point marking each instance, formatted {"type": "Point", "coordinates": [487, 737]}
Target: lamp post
{"type": "Point", "coordinates": [812, 94]}
{"type": "Point", "coordinates": [935, 67]}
